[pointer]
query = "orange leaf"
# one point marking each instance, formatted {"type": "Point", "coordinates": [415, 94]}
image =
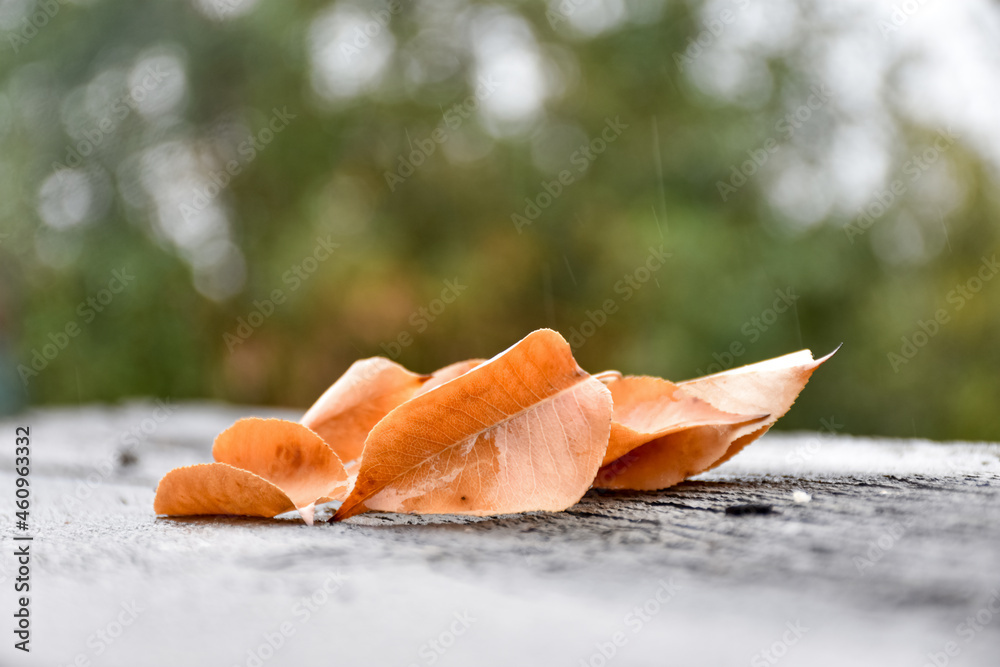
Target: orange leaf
{"type": "Point", "coordinates": [607, 377]}
{"type": "Point", "coordinates": [347, 411]}
{"type": "Point", "coordinates": [648, 408]}
{"type": "Point", "coordinates": [269, 466]}
{"type": "Point", "coordinates": [217, 488]}
{"type": "Point", "coordinates": [754, 397]}
{"type": "Point", "coordinates": [288, 455]}
{"type": "Point", "coordinates": [526, 430]}
{"type": "Point", "coordinates": [447, 373]}
{"type": "Point", "coordinates": [767, 387]}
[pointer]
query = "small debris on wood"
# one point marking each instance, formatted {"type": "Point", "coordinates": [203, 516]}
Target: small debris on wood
{"type": "Point", "coordinates": [127, 458]}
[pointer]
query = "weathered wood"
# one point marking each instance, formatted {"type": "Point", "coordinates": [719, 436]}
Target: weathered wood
{"type": "Point", "coordinates": [894, 545]}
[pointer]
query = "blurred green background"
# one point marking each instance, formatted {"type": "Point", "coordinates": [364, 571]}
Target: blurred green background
{"type": "Point", "coordinates": [246, 168]}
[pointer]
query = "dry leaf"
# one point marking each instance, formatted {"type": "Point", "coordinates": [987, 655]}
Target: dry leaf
{"type": "Point", "coordinates": [447, 373]}
{"type": "Point", "coordinates": [268, 466]}
{"type": "Point", "coordinates": [217, 488]}
{"type": "Point", "coordinates": [347, 411]}
{"type": "Point", "coordinates": [648, 408]}
{"type": "Point", "coordinates": [769, 386]}
{"type": "Point", "coordinates": [607, 377]}
{"type": "Point", "coordinates": [526, 430]}
{"type": "Point", "coordinates": [368, 391]}
{"type": "Point", "coordinates": [754, 397]}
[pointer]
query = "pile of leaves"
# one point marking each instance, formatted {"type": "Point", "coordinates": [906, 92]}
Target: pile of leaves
{"type": "Point", "coordinates": [526, 430]}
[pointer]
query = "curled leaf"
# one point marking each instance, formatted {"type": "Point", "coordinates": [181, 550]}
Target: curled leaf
{"type": "Point", "coordinates": [266, 466]}
{"type": "Point", "coordinates": [727, 411]}
{"type": "Point", "coordinates": [218, 488]}
{"type": "Point", "coordinates": [648, 408]}
{"type": "Point", "coordinates": [347, 411]}
{"type": "Point", "coordinates": [608, 377]}
{"type": "Point", "coordinates": [447, 373]}
{"type": "Point", "coordinates": [668, 460]}
{"type": "Point", "coordinates": [526, 430]}
{"type": "Point", "coordinates": [288, 455]}
{"type": "Point", "coordinates": [767, 387]}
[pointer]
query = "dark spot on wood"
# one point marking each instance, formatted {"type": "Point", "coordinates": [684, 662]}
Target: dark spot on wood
{"type": "Point", "coordinates": [752, 508]}
{"type": "Point", "coordinates": [463, 497]}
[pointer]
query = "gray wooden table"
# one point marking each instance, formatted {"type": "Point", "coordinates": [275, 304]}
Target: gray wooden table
{"type": "Point", "coordinates": [804, 550]}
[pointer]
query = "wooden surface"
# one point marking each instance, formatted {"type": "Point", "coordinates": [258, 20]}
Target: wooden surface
{"type": "Point", "coordinates": [896, 548]}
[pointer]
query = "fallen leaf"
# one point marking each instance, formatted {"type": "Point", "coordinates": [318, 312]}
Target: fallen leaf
{"type": "Point", "coordinates": [447, 373]}
{"type": "Point", "coordinates": [607, 377]}
{"type": "Point", "coordinates": [287, 454]}
{"type": "Point", "coordinates": [766, 387]}
{"type": "Point", "coordinates": [526, 430]}
{"type": "Point", "coordinates": [268, 466]}
{"type": "Point", "coordinates": [364, 394]}
{"type": "Point", "coordinates": [733, 409]}
{"type": "Point", "coordinates": [346, 412]}
{"type": "Point", "coordinates": [649, 408]}
{"type": "Point", "coordinates": [668, 460]}
{"type": "Point", "coordinates": [217, 488]}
